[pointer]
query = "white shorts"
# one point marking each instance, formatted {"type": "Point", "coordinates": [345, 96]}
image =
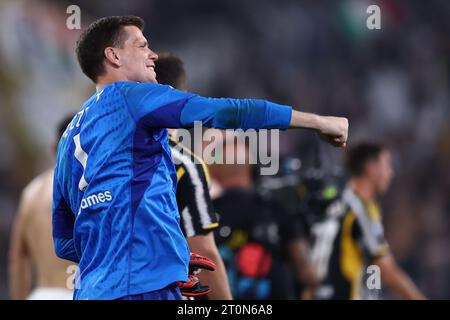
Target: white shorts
{"type": "Point", "coordinates": [50, 294]}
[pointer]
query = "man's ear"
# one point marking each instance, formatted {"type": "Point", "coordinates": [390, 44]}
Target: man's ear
{"type": "Point", "coordinates": [370, 168]}
{"type": "Point", "coordinates": [112, 57]}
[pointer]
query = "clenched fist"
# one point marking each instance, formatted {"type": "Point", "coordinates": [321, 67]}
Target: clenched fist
{"type": "Point", "coordinates": [333, 130]}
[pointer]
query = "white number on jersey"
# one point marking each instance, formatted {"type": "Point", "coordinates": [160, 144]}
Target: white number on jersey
{"type": "Point", "coordinates": [82, 157]}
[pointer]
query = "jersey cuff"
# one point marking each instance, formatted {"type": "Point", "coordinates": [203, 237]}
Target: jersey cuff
{"type": "Point", "coordinates": [279, 115]}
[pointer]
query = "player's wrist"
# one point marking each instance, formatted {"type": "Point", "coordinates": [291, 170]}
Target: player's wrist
{"type": "Point", "coordinates": [306, 121]}
{"type": "Point", "coordinates": [320, 123]}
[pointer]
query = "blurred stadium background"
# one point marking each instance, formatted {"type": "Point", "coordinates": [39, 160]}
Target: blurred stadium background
{"type": "Point", "coordinates": [392, 84]}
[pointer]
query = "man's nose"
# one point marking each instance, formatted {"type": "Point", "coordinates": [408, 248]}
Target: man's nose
{"type": "Point", "coordinates": [152, 55]}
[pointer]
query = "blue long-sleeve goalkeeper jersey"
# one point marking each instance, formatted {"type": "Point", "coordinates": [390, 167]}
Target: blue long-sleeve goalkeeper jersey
{"type": "Point", "coordinates": [114, 204]}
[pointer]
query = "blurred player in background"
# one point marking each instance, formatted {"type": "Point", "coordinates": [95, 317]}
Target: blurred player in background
{"type": "Point", "coordinates": [262, 246]}
{"type": "Point", "coordinates": [304, 193]}
{"type": "Point", "coordinates": [198, 219]}
{"type": "Point", "coordinates": [32, 252]}
{"type": "Point", "coordinates": [351, 237]}
{"type": "Point", "coordinates": [114, 197]}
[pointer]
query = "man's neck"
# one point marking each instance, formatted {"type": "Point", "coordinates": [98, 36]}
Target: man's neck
{"type": "Point", "coordinates": [363, 188]}
{"type": "Point", "coordinates": [105, 80]}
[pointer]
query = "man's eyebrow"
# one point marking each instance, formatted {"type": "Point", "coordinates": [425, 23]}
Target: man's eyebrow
{"type": "Point", "coordinates": [140, 40]}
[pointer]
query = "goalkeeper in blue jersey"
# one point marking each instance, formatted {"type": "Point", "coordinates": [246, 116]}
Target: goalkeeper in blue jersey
{"type": "Point", "coordinates": [114, 205]}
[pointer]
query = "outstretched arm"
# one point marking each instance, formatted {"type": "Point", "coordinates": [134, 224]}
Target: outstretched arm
{"type": "Point", "coordinates": [257, 114]}
{"type": "Point", "coordinates": [161, 106]}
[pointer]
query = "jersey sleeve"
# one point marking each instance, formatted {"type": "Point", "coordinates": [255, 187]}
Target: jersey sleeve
{"type": "Point", "coordinates": [62, 224]}
{"type": "Point", "coordinates": [162, 106]}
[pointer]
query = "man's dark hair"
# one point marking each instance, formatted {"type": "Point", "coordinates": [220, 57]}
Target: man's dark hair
{"type": "Point", "coordinates": [102, 33]}
{"type": "Point", "coordinates": [170, 70]}
{"type": "Point", "coordinates": [358, 156]}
